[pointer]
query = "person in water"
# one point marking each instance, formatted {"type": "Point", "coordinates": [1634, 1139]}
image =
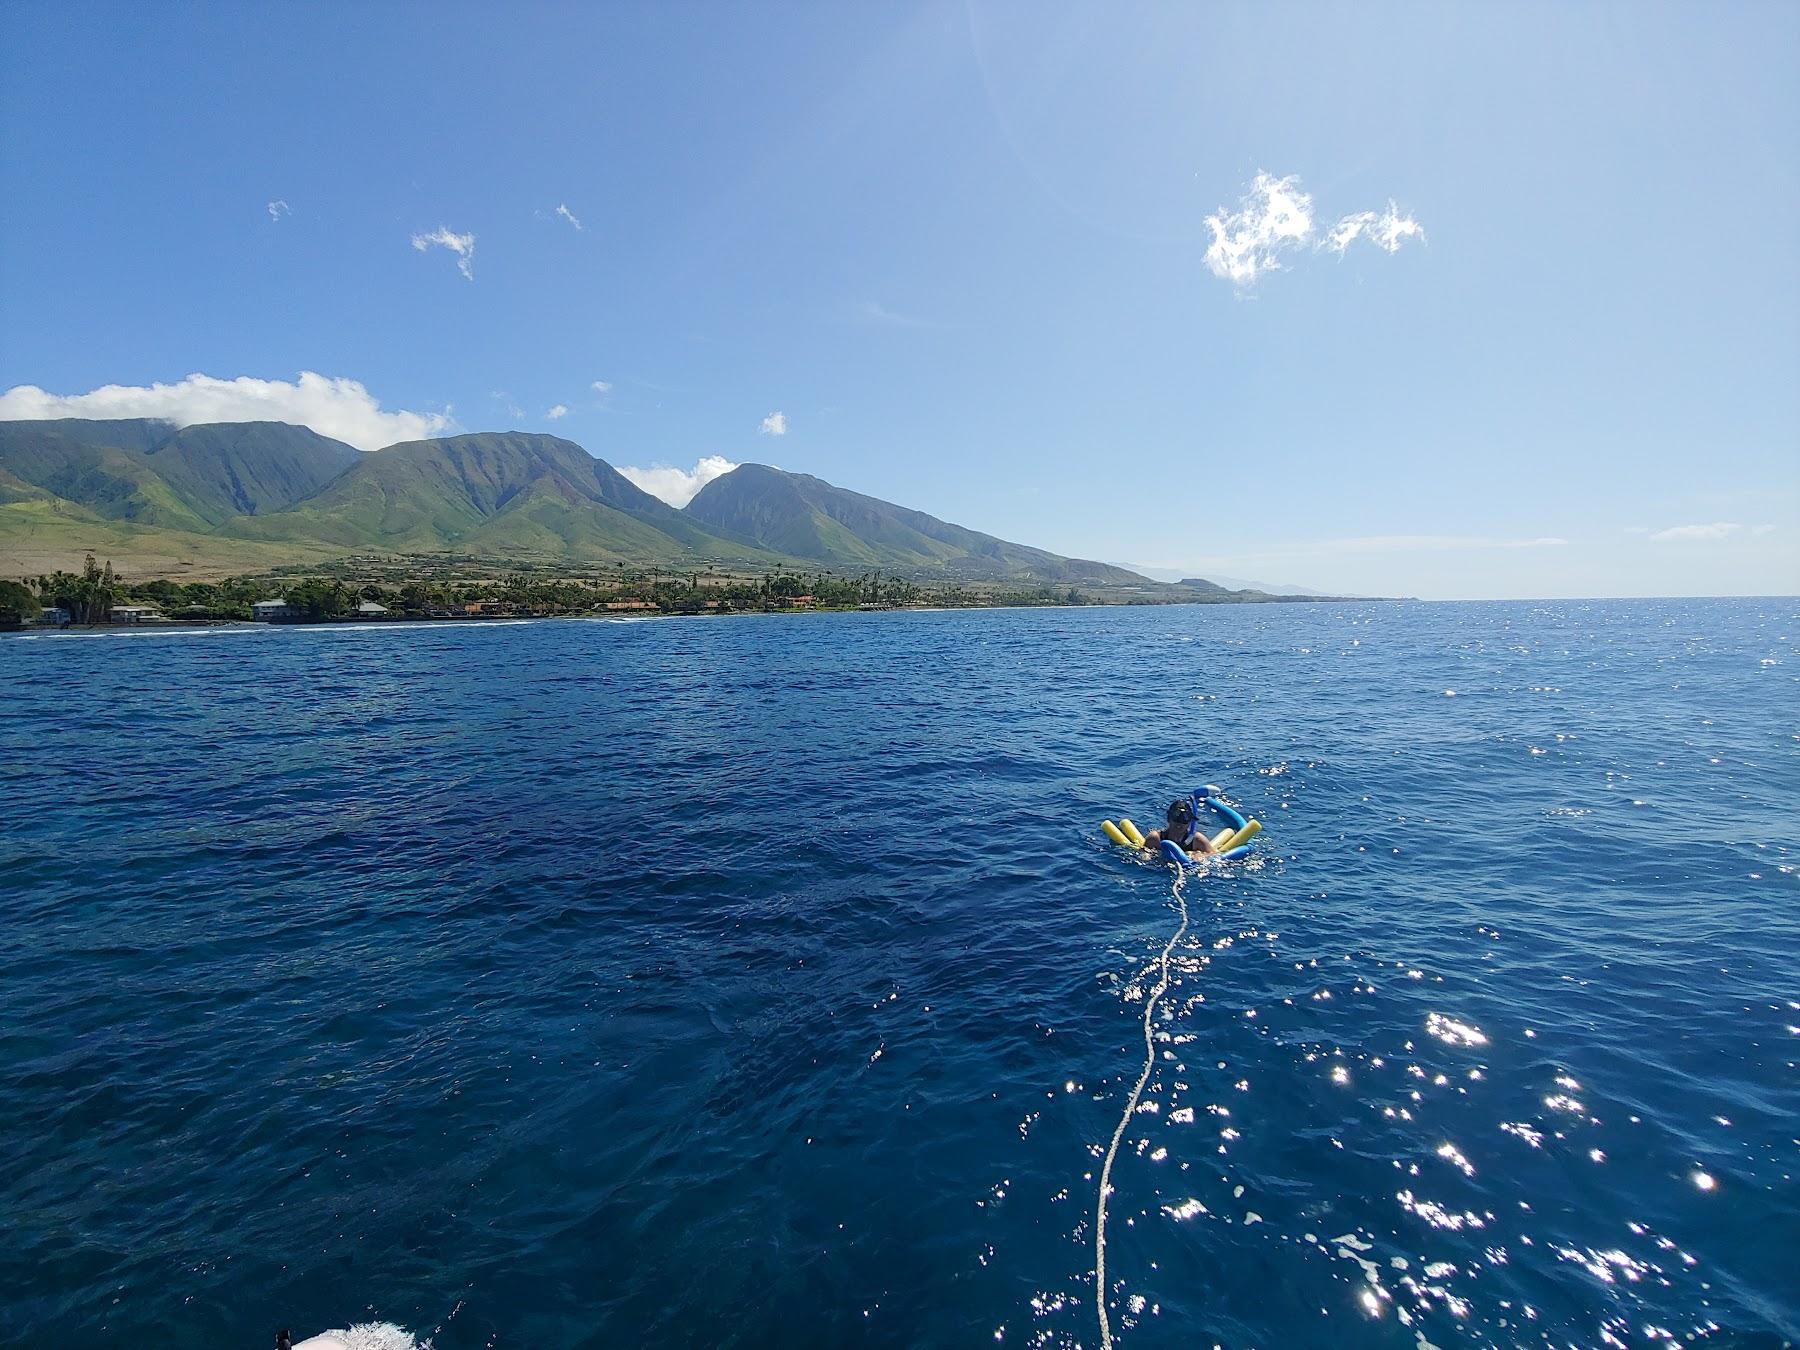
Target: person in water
{"type": "Point", "coordinates": [1183, 830]}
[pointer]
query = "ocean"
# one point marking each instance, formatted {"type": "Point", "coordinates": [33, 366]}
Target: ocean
{"type": "Point", "coordinates": [767, 981]}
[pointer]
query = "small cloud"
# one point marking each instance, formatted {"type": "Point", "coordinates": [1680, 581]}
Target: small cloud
{"type": "Point", "coordinates": [342, 409]}
{"type": "Point", "coordinates": [775, 424]}
{"type": "Point", "coordinates": [1690, 534]}
{"type": "Point", "coordinates": [1386, 230]}
{"type": "Point", "coordinates": [568, 215]}
{"type": "Point", "coordinates": [559, 411]}
{"type": "Point", "coordinates": [601, 387]}
{"type": "Point", "coordinates": [1274, 215]}
{"type": "Point", "coordinates": [678, 486]}
{"type": "Point", "coordinates": [462, 245]}
{"type": "Point", "coordinates": [277, 209]}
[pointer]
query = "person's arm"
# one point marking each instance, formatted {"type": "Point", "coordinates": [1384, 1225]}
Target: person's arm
{"type": "Point", "coordinates": [1152, 839]}
{"type": "Point", "coordinates": [1201, 845]}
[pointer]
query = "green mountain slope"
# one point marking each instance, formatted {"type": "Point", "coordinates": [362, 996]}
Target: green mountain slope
{"type": "Point", "coordinates": [142, 434]}
{"type": "Point", "coordinates": [116, 482]}
{"type": "Point", "coordinates": [1204, 587]}
{"type": "Point", "coordinates": [16, 489]}
{"type": "Point", "coordinates": [809, 518]}
{"type": "Point", "coordinates": [227, 469]}
{"type": "Point", "coordinates": [495, 493]}
{"type": "Point", "coordinates": [267, 492]}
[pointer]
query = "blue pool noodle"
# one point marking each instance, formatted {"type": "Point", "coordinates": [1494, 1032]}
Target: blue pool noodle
{"type": "Point", "coordinates": [1177, 855]}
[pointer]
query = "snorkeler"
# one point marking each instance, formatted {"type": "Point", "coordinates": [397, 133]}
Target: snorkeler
{"type": "Point", "coordinates": [1183, 830]}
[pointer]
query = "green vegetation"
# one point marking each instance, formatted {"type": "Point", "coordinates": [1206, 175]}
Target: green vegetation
{"type": "Point", "coordinates": [469, 592]}
{"type": "Point", "coordinates": [248, 468]}
{"type": "Point", "coordinates": [806, 517]}
{"type": "Point", "coordinates": [194, 478]}
{"type": "Point", "coordinates": [109, 481]}
{"type": "Point", "coordinates": [88, 595]}
{"type": "Point", "coordinates": [18, 604]}
{"type": "Point", "coordinates": [499, 495]}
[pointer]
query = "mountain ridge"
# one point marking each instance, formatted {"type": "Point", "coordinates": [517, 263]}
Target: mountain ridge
{"type": "Point", "coordinates": [216, 489]}
{"type": "Point", "coordinates": [812, 519]}
{"type": "Point", "coordinates": [494, 492]}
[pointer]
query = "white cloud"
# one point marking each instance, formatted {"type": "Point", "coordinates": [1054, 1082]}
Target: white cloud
{"type": "Point", "coordinates": [1276, 217]}
{"type": "Point", "coordinates": [332, 407]}
{"type": "Point", "coordinates": [601, 387]}
{"type": "Point", "coordinates": [1688, 534]}
{"type": "Point", "coordinates": [1387, 230]}
{"type": "Point", "coordinates": [775, 424]}
{"type": "Point", "coordinates": [678, 486]}
{"type": "Point", "coordinates": [560, 410]}
{"type": "Point", "coordinates": [277, 209]}
{"type": "Point", "coordinates": [568, 215]}
{"type": "Point", "coordinates": [462, 245]}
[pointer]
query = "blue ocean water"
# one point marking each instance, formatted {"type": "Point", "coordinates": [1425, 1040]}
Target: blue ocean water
{"type": "Point", "coordinates": [767, 981]}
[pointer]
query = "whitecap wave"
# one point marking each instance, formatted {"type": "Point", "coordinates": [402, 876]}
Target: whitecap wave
{"type": "Point", "coordinates": [364, 1336]}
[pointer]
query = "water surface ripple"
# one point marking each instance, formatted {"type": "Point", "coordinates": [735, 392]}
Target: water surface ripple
{"type": "Point", "coordinates": [767, 981]}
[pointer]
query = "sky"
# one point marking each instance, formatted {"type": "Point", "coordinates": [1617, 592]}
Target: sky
{"type": "Point", "coordinates": [1452, 301]}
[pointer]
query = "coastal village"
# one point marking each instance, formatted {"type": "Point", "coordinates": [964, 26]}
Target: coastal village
{"type": "Point", "coordinates": [282, 610]}
{"type": "Point", "coordinates": [98, 597]}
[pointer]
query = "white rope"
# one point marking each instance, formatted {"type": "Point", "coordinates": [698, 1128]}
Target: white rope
{"type": "Point", "coordinates": [1131, 1104]}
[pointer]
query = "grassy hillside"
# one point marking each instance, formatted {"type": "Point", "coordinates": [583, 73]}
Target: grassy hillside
{"type": "Point", "coordinates": [247, 468]}
{"type": "Point", "coordinates": [43, 534]}
{"type": "Point", "coordinates": [495, 493]}
{"type": "Point", "coordinates": [111, 481]}
{"type": "Point", "coordinates": [810, 518]}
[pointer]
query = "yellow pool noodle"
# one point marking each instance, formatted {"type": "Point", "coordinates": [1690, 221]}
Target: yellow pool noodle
{"type": "Point", "coordinates": [1131, 833]}
{"type": "Point", "coordinates": [1243, 836]}
{"type": "Point", "coordinates": [1219, 839]}
{"type": "Point", "coordinates": [1114, 833]}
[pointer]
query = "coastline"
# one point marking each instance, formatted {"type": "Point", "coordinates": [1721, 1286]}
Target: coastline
{"type": "Point", "coordinates": [173, 626]}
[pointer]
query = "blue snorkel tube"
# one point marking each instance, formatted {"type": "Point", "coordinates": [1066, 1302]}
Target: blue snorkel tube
{"type": "Point", "coordinates": [1231, 815]}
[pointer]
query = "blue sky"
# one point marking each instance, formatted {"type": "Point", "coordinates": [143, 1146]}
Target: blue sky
{"type": "Point", "coordinates": [962, 250]}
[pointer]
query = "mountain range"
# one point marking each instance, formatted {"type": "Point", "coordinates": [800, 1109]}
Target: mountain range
{"type": "Point", "coordinates": [246, 495]}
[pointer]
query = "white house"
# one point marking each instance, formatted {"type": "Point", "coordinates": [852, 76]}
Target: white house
{"type": "Point", "coordinates": [53, 616]}
{"type": "Point", "coordinates": [131, 614]}
{"type": "Point", "coordinates": [368, 609]}
{"type": "Point", "coordinates": [267, 611]}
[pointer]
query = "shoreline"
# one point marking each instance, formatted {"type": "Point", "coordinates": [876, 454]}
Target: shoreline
{"type": "Point", "coordinates": [639, 616]}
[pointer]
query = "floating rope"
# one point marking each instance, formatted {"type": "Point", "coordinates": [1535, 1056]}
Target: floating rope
{"type": "Point", "coordinates": [1131, 1105]}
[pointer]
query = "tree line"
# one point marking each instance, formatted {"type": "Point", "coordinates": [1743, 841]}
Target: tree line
{"type": "Point", "coordinates": [90, 595]}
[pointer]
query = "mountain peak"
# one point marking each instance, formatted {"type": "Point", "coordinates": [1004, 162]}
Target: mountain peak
{"type": "Point", "coordinates": [807, 517]}
{"type": "Point", "coordinates": [497, 494]}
